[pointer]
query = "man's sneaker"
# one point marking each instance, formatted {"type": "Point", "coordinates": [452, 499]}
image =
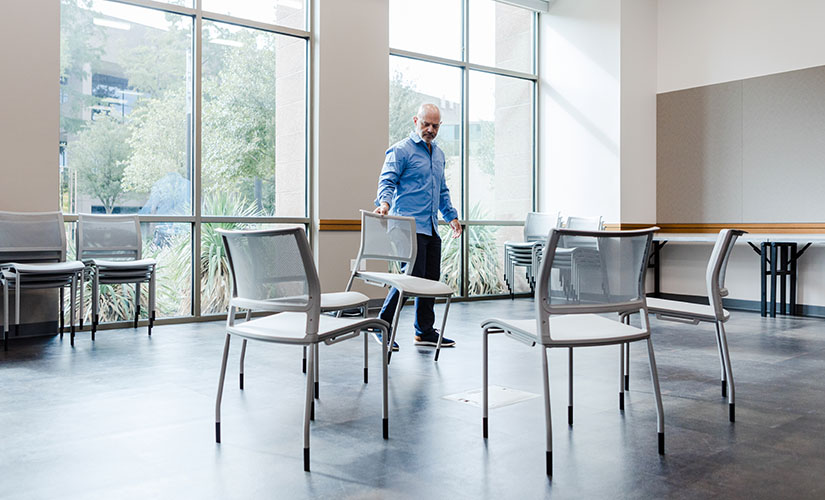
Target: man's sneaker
{"type": "Point", "coordinates": [377, 336]}
{"type": "Point", "coordinates": [431, 339]}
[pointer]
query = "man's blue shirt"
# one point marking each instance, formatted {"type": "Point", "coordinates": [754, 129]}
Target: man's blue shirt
{"type": "Point", "coordinates": [412, 182]}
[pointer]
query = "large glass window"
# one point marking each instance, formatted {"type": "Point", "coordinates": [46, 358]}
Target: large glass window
{"type": "Point", "coordinates": [476, 62]}
{"type": "Point", "coordinates": [158, 100]}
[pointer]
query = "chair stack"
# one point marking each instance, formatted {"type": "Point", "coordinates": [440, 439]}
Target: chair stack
{"type": "Point", "coordinates": [528, 253]}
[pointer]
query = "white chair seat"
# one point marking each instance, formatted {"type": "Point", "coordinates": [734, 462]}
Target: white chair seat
{"type": "Point", "coordinates": [122, 265]}
{"type": "Point", "coordinates": [334, 301]}
{"type": "Point", "coordinates": [686, 310]}
{"type": "Point", "coordinates": [45, 267]}
{"type": "Point", "coordinates": [574, 329]}
{"type": "Point", "coordinates": [411, 285]}
{"type": "Point", "coordinates": [290, 327]}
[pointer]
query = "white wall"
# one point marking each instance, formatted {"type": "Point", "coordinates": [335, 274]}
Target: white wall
{"type": "Point", "coordinates": [702, 42]}
{"type": "Point", "coordinates": [29, 119]}
{"type": "Point", "coordinates": [580, 102]}
{"type": "Point", "coordinates": [352, 118]}
{"type": "Point", "coordinates": [638, 111]}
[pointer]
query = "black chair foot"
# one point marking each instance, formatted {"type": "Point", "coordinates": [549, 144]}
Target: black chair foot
{"type": "Point", "coordinates": [484, 427]}
{"type": "Point", "coordinates": [389, 357]}
{"type": "Point", "coordinates": [627, 382]}
{"type": "Point", "coordinates": [386, 428]}
{"type": "Point", "coordinates": [241, 380]}
{"type": "Point", "coordinates": [316, 390]}
{"type": "Point", "coordinates": [437, 352]}
{"type": "Point", "coordinates": [304, 365]}
{"type": "Point", "coordinates": [661, 443]}
{"type": "Point", "coordinates": [312, 410]}
{"type": "Point", "coordinates": [549, 463]}
{"type": "Point", "coordinates": [306, 459]}
{"type": "Point", "coordinates": [217, 432]}
{"type": "Point", "coordinates": [621, 401]}
{"type": "Point", "coordinates": [724, 389]}
{"type": "Point", "coordinates": [733, 412]}
{"type": "Point", "coordinates": [366, 377]}
{"type": "Point", "coordinates": [570, 415]}
{"type": "Point", "coordinates": [72, 336]}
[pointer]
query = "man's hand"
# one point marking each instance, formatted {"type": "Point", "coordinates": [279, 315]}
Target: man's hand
{"type": "Point", "coordinates": [456, 228]}
{"type": "Point", "coordinates": [382, 209]}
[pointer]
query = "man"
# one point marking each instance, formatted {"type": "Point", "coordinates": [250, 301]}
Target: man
{"type": "Point", "coordinates": [412, 184]}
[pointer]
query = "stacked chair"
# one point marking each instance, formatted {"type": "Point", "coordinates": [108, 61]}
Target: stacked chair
{"type": "Point", "coordinates": [33, 256]}
{"type": "Point", "coordinates": [110, 248]}
{"type": "Point", "coordinates": [571, 320]}
{"type": "Point", "coordinates": [527, 253]}
{"type": "Point", "coordinates": [273, 270]}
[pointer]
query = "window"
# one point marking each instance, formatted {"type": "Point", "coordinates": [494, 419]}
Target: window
{"type": "Point", "coordinates": [475, 59]}
{"type": "Point", "coordinates": [191, 117]}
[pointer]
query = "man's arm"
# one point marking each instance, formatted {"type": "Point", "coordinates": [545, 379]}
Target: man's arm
{"type": "Point", "coordinates": [446, 207]}
{"type": "Point", "coordinates": [387, 182]}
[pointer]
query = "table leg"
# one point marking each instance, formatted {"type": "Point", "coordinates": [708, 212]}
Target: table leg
{"type": "Point", "coordinates": [783, 276]}
{"type": "Point", "coordinates": [793, 279]}
{"type": "Point", "coordinates": [773, 280]}
{"type": "Point", "coordinates": [763, 274]}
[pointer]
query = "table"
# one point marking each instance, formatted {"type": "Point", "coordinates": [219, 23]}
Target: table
{"type": "Point", "coordinates": [778, 253]}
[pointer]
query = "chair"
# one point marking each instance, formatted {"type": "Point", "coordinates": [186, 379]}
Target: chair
{"type": "Point", "coordinates": [694, 314]}
{"type": "Point", "coordinates": [110, 248]}
{"type": "Point", "coordinates": [527, 253]}
{"type": "Point", "coordinates": [576, 252]}
{"type": "Point", "coordinates": [392, 238]}
{"type": "Point", "coordinates": [272, 270]}
{"type": "Point", "coordinates": [564, 320]}
{"type": "Point", "coordinates": [33, 256]}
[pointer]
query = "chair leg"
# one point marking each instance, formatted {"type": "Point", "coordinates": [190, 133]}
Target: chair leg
{"type": "Point", "coordinates": [545, 371]}
{"type": "Point", "coordinates": [621, 377]}
{"type": "Point", "coordinates": [137, 303]}
{"type": "Point", "coordinates": [95, 303]}
{"type": "Point", "coordinates": [317, 375]}
{"type": "Point", "coordinates": [385, 404]}
{"type": "Point", "coordinates": [484, 389]}
{"type": "Point", "coordinates": [243, 358]}
{"type": "Point", "coordinates": [308, 404]}
{"type": "Point", "coordinates": [366, 347]}
{"type": "Point", "coordinates": [720, 329]}
{"type": "Point", "coordinates": [220, 390]}
{"type": "Point", "coordinates": [62, 311]}
{"type": "Point", "coordinates": [627, 367]}
{"type": "Point", "coordinates": [660, 414]}
{"type": "Point", "coordinates": [304, 361]}
{"type": "Point", "coordinates": [443, 325]}
{"type": "Point", "coordinates": [73, 292]}
{"type": "Point", "coordinates": [80, 304]}
{"type": "Point", "coordinates": [5, 316]}
{"type": "Point", "coordinates": [395, 318]}
{"type": "Point", "coordinates": [570, 386]}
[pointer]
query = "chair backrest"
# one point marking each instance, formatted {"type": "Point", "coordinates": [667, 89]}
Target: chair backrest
{"type": "Point", "coordinates": [273, 270]}
{"type": "Point", "coordinates": [607, 274]}
{"type": "Point", "coordinates": [32, 237]}
{"type": "Point", "coordinates": [583, 224]}
{"type": "Point", "coordinates": [538, 224]}
{"type": "Point", "coordinates": [387, 237]}
{"type": "Point", "coordinates": [108, 237]}
{"type": "Point", "coordinates": [717, 266]}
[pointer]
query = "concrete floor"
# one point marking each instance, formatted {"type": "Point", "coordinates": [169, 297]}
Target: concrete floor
{"type": "Point", "coordinates": [130, 416]}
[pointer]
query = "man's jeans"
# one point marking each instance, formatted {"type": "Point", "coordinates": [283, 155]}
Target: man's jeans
{"type": "Point", "coordinates": [427, 265]}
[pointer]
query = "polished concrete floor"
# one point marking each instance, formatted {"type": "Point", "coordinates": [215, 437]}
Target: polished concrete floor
{"type": "Point", "coordinates": [130, 416]}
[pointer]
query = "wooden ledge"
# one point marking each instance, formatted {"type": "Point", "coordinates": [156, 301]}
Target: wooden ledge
{"type": "Point", "coordinates": [339, 225]}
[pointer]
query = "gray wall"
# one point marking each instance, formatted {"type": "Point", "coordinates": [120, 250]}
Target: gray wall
{"type": "Point", "coordinates": [745, 151]}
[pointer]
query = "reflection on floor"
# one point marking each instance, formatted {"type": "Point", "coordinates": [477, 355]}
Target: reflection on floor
{"type": "Point", "coordinates": [130, 416]}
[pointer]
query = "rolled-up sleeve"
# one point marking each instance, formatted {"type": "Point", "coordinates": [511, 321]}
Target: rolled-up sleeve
{"type": "Point", "coordinates": [444, 204]}
{"type": "Point", "coordinates": [388, 180]}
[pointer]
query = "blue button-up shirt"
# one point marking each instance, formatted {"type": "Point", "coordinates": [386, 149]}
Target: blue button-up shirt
{"type": "Point", "coordinates": [412, 182]}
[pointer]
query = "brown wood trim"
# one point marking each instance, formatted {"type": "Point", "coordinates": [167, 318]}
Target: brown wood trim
{"type": "Point", "coordinates": [615, 226]}
{"type": "Point", "coordinates": [751, 227]}
{"type": "Point", "coordinates": [339, 225]}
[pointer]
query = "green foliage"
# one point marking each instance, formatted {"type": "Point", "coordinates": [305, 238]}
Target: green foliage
{"type": "Point", "coordinates": [482, 267]}
{"type": "Point", "coordinates": [404, 103]}
{"type": "Point", "coordinates": [99, 155]}
{"type": "Point", "coordinates": [81, 44]}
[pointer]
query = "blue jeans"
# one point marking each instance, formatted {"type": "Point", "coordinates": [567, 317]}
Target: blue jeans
{"type": "Point", "coordinates": [427, 265]}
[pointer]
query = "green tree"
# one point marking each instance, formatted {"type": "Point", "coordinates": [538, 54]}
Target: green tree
{"type": "Point", "coordinates": [81, 44]}
{"type": "Point", "coordinates": [99, 154]}
{"type": "Point", "coordinates": [404, 103]}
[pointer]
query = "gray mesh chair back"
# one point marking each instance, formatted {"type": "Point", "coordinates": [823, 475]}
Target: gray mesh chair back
{"type": "Point", "coordinates": [387, 237]}
{"type": "Point", "coordinates": [610, 279]}
{"type": "Point", "coordinates": [537, 225]}
{"type": "Point", "coordinates": [32, 237]}
{"type": "Point", "coordinates": [583, 224]}
{"type": "Point", "coordinates": [108, 237]}
{"type": "Point", "coordinates": [272, 270]}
